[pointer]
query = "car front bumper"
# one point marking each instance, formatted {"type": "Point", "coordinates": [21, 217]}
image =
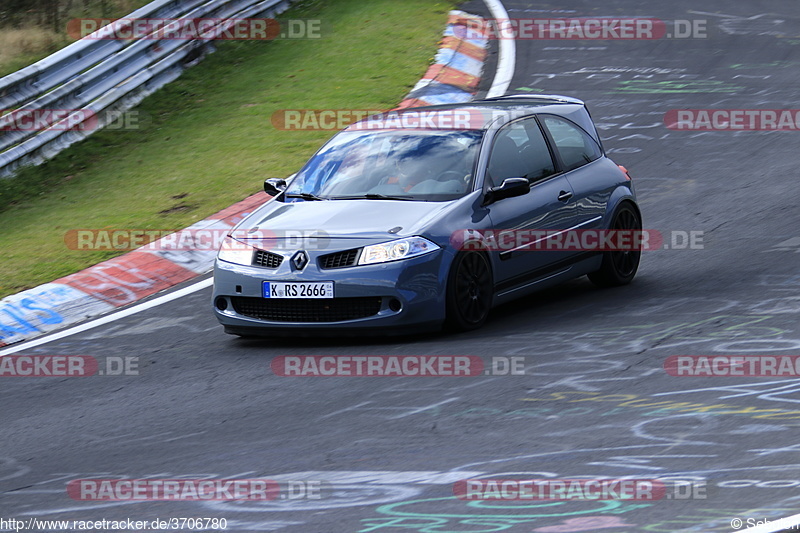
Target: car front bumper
{"type": "Point", "coordinates": [395, 297]}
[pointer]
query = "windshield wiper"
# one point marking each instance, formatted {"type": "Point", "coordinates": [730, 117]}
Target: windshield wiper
{"type": "Point", "coordinates": [372, 196]}
{"type": "Point", "coordinates": [303, 195]}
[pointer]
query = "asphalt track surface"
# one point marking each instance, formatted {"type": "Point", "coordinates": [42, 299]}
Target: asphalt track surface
{"type": "Point", "coordinates": [595, 400]}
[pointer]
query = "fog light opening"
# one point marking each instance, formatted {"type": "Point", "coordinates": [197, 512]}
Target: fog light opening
{"type": "Point", "coordinates": [395, 305]}
{"type": "Point", "coordinates": [222, 303]}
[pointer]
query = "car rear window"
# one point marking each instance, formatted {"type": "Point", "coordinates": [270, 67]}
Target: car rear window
{"type": "Point", "coordinates": [574, 145]}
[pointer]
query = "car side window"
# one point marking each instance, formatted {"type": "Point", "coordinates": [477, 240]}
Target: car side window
{"type": "Point", "coordinates": [519, 151]}
{"type": "Point", "coordinates": [575, 146]}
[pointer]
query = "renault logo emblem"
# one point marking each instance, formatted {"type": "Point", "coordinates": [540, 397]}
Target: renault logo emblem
{"type": "Point", "coordinates": [300, 260]}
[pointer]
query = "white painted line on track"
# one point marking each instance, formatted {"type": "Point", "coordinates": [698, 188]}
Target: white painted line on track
{"type": "Point", "coordinates": [507, 57]}
{"type": "Point", "coordinates": [137, 308]}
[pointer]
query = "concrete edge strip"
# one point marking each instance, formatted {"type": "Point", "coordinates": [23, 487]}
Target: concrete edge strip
{"type": "Point", "coordinates": [507, 57]}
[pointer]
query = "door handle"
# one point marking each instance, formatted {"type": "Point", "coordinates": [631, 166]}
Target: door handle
{"type": "Point", "coordinates": [563, 196]}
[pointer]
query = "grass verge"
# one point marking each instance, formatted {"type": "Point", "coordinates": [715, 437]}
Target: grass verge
{"type": "Point", "coordinates": [208, 140]}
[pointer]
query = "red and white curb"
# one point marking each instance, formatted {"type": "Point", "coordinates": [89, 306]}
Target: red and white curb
{"type": "Point", "coordinates": [456, 72]}
{"type": "Point", "coordinates": [114, 283]}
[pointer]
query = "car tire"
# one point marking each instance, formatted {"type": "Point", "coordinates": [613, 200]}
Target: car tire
{"type": "Point", "coordinates": [620, 267]}
{"type": "Point", "coordinates": [470, 289]}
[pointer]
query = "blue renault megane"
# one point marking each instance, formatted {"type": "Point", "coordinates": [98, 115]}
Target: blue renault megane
{"type": "Point", "coordinates": [429, 217]}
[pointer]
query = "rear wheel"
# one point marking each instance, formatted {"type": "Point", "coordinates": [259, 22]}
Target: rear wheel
{"type": "Point", "coordinates": [619, 267]}
{"type": "Point", "coordinates": [469, 291]}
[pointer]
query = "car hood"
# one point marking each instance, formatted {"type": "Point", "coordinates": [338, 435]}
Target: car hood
{"type": "Point", "coordinates": [358, 220]}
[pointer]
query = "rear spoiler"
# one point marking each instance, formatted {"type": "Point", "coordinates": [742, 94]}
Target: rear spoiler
{"type": "Point", "coordinates": [555, 98]}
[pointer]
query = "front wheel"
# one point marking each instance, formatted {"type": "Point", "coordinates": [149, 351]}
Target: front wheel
{"type": "Point", "coordinates": [469, 291]}
{"type": "Point", "coordinates": [619, 266]}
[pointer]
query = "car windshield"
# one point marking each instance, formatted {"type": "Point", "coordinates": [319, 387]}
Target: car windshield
{"type": "Point", "coordinates": [427, 165]}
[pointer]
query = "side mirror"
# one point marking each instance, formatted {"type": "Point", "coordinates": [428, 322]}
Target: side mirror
{"type": "Point", "coordinates": [510, 188]}
{"type": "Point", "coordinates": [274, 186]}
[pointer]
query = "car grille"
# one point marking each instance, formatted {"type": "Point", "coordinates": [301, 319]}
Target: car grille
{"type": "Point", "coordinates": [339, 259]}
{"type": "Point", "coordinates": [267, 259]}
{"type": "Point", "coordinates": [307, 310]}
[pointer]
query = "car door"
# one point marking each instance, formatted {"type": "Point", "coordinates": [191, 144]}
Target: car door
{"type": "Point", "coordinates": [519, 149]}
{"type": "Point", "coordinates": [578, 155]}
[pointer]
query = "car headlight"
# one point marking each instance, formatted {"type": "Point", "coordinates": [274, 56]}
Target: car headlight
{"type": "Point", "coordinates": [396, 250]}
{"type": "Point", "coordinates": [233, 251]}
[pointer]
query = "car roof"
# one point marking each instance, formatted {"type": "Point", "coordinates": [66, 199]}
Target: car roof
{"type": "Point", "coordinates": [479, 114]}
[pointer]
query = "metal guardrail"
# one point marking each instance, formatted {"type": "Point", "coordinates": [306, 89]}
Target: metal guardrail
{"type": "Point", "coordinates": [103, 78]}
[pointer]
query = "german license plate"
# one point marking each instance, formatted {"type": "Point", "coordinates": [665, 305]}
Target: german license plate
{"type": "Point", "coordinates": [292, 289]}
